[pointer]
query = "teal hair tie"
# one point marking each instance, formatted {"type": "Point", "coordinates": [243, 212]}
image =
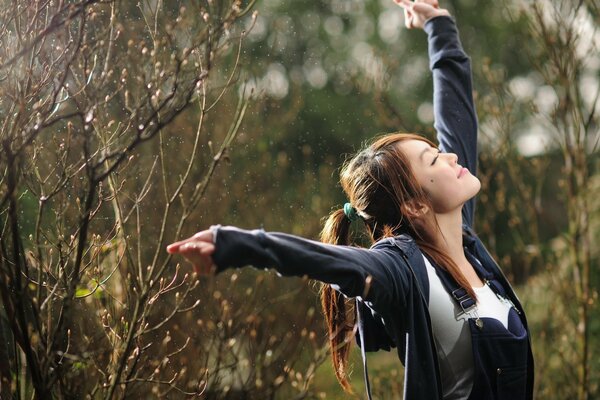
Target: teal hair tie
{"type": "Point", "coordinates": [350, 212]}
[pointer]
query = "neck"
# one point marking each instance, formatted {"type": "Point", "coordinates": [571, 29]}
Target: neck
{"type": "Point", "coordinates": [449, 237]}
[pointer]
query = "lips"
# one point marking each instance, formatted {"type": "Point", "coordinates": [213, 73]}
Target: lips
{"type": "Point", "coordinates": [462, 172]}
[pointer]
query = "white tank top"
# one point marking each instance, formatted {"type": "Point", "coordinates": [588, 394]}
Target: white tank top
{"type": "Point", "coordinates": [452, 334]}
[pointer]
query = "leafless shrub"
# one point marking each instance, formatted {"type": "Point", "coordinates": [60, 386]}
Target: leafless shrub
{"type": "Point", "coordinates": [547, 200]}
{"type": "Point", "coordinates": [90, 299]}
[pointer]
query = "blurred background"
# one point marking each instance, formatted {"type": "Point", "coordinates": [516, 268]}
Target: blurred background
{"type": "Point", "coordinates": [126, 126]}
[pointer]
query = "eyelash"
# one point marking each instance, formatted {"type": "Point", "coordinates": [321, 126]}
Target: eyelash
{"type": "Point", "coordinates": [436, 157]}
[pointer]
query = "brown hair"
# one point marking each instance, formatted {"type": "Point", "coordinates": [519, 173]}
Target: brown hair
{"type": "Point", "coordinates": [381, 186]}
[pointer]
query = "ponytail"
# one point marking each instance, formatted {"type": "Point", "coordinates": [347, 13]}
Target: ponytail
{"type": "Point", "coordinates": [380, 183]}
{"type": "Point", "coordinates": [339, 311]}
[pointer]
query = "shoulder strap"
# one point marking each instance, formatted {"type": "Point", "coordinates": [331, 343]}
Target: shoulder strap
{"type": "Point", "coordinates": [363, 352]}
{"type": "Point", "coordinates": [461, 296]}
{"type": "Point", "coordinates": [458, 293]}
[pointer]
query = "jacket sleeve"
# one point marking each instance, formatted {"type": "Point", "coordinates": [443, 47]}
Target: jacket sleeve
{"type": "Point", "coordinates": [379, 275]}
{"type": "Point", "coordinates": [454, 110]}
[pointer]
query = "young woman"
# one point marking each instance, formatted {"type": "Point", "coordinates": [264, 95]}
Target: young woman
{"type": "Point", "coordinates": [427, 286]}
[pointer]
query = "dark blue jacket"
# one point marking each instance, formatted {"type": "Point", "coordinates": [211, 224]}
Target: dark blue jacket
{"type": "Point", "coordinates": [394, 309]}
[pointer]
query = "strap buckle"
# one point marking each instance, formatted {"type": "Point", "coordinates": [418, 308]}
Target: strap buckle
{"type": "Point", "coordinates": [464, 300]}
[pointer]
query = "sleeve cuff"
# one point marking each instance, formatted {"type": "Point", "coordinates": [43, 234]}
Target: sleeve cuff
{"type": "Point", "coordinates": [439, 24]}
{"type": "Point", "coordinates": [443, 40]}
{"type": "Point", "coordinates": [236, 248]}
{"type": "Point", "coordinates": [214, 229]}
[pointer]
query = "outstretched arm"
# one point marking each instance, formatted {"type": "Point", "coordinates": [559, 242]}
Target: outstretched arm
{"type": "Point", "coordinates": [378, 275]}
{"type": "Point", "coordinates": [455, 116]}
{"type": "Point", "coordinates": [454, 109]}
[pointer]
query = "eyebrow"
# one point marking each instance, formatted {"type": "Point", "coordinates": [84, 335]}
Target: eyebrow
{"type": "Point", "coordinates": [425, 150]}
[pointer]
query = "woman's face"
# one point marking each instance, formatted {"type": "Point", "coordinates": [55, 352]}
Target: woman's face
{"type": "Point", "coordinates": [447, 183]}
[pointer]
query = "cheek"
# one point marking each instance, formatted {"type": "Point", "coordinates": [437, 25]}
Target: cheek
{"type": "Point", "coordinates": [437, 189]}
{"type": "Point", "coordinates": [445, 191]}
{"type": "Point", "coordinates": [441, 184]}
{"type": "Point", "coordinates": [447, 194]}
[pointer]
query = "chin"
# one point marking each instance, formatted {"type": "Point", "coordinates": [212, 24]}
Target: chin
{"type": "Point", "coordinates": [478, 184]}
{"type": "Point", "coordinates": [472, 191]}
{"type": "Point", "coordinates": [476, 188]}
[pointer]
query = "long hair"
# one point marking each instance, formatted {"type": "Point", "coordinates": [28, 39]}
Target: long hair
{"type": "Point", "coordinates": [380, 184]}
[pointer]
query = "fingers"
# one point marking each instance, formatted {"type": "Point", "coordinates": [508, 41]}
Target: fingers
{"type": "Point", "coordinates": [202, 248]}
{"type": "Point", "coordinates": [417, 12]}
{"type": "Point", "coordinates": [198, 250]}
{"type": "Point", "coordinates": [203, 236]}
{"type": "Point", "coordinates": [409, 19]}
{"type": "Point", "coordinates": [413, 10]}
{"type": "Point", "coordinates": [199, 255]}
{"type": "Point", "coordinates": [175, 247]}
{"type": "Point", "coordinates": [407, 6]}
{"type": "Point", "coordinates": [192, 249]}
{"type": "Point", "coordinates": [423, 9]}
{"type": "Point", "coordinates": [433, 3]}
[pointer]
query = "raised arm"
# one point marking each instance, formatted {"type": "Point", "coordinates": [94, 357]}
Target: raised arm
{"type": "Point", "coordinates": [454, 110]}
{"type": "Point", "coordinates": [378, 275]}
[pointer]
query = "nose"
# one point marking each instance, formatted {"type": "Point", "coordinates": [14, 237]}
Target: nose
{"type": "Point", "coordinates": [452, 157]}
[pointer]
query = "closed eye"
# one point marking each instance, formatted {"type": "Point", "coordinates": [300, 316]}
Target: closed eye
{"type": "Point", "coordinates": [436, 157]}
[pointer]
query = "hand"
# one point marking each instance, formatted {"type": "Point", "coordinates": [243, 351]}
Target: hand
{"type": "Point", "coordinates": [198, 250]}
{"type": "Point", "coordinates": [417, 12]}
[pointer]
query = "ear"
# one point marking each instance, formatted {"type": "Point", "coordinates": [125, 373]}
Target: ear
{"type": "Point", "coordinates": [415, 209]}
